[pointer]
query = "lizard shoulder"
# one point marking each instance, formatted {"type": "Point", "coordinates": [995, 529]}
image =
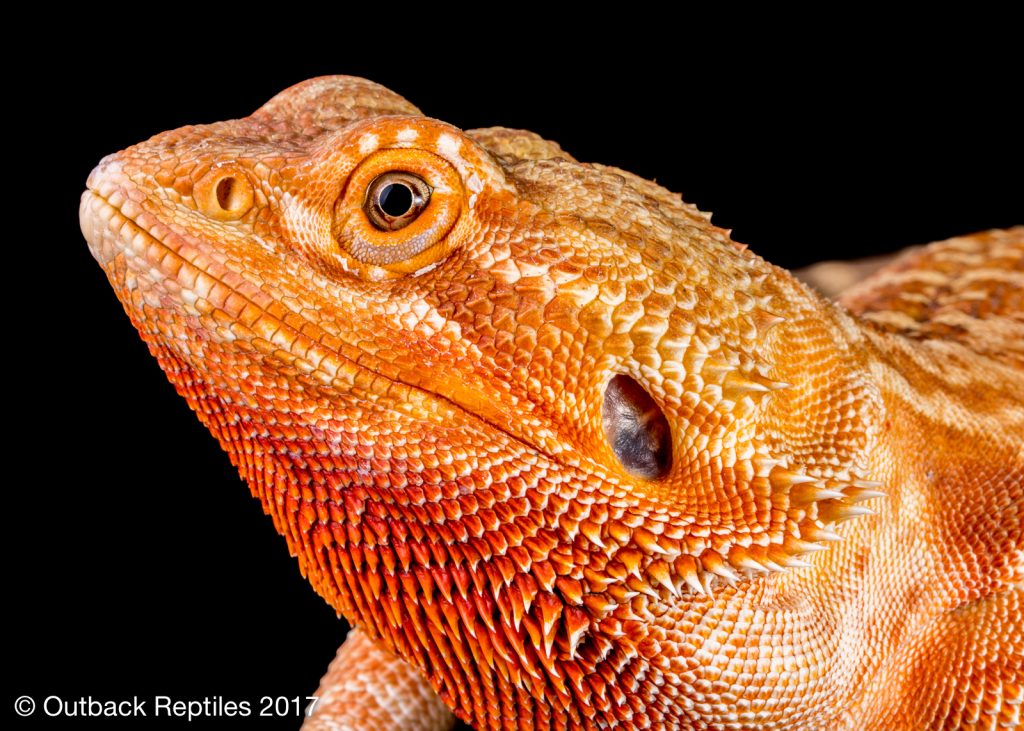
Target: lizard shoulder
{"type": "Point", "coordinates": [968, 289]}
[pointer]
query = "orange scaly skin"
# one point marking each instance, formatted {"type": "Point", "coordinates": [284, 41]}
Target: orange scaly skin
{"type": "Point", "coordinates": [420, 412]}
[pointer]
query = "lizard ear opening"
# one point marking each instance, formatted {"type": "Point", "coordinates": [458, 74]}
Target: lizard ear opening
{"type": "Point", "coordinates": [636, 429]}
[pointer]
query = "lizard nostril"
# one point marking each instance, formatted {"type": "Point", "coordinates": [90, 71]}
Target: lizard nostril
{"type": "Point", "coordinates": [224, 194]}
{"type": "Point", "coordinates": [636, 428]}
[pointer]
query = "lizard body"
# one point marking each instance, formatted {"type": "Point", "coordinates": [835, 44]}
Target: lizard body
{"type": "Point", "coordinates": [543, 432]}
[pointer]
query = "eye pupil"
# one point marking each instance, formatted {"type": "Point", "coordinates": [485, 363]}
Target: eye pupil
{"type": "Point", "coordinates": [395, 199]}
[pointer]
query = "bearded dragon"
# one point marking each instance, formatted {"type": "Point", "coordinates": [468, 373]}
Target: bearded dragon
{"type": "Point", "coordinates": [563, 453]}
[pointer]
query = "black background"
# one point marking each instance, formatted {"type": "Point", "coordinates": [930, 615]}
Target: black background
{"type": "Point", "coordinates": [136, 563]}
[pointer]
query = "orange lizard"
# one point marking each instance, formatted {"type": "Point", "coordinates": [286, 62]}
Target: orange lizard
{"type": "Point", "coordinates": [564, 454]}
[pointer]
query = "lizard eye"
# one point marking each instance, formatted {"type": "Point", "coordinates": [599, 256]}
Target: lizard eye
{"type": "Point", "coordinates": [394, 200]}
{"type": "Point", "coordinates": [397, 210]}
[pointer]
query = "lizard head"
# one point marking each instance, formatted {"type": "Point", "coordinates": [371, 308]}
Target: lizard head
{"type": "Point", "coordinates": [485, 391]}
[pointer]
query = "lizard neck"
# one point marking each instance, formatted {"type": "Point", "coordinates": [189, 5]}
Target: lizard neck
{"type": "Point", "coordinates": [954, 459]}
{"type": "Point", "coordinates": [942, 434]}
{"type": "Point", "coordinates": [338, 502]}
{"type": "Point", "coordinates": [373, 528]}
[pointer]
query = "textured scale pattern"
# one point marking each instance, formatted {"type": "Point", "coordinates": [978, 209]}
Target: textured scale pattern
{"type": "Point", "coordinates": [387, 694]}
{"type": "Point", "coordinates": [835, 541]}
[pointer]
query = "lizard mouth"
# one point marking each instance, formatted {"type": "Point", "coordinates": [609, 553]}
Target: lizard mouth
{"type": "Point", "coordinates": [147, 262]}
{"type": "Point", "coordinates": [152, 265]}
